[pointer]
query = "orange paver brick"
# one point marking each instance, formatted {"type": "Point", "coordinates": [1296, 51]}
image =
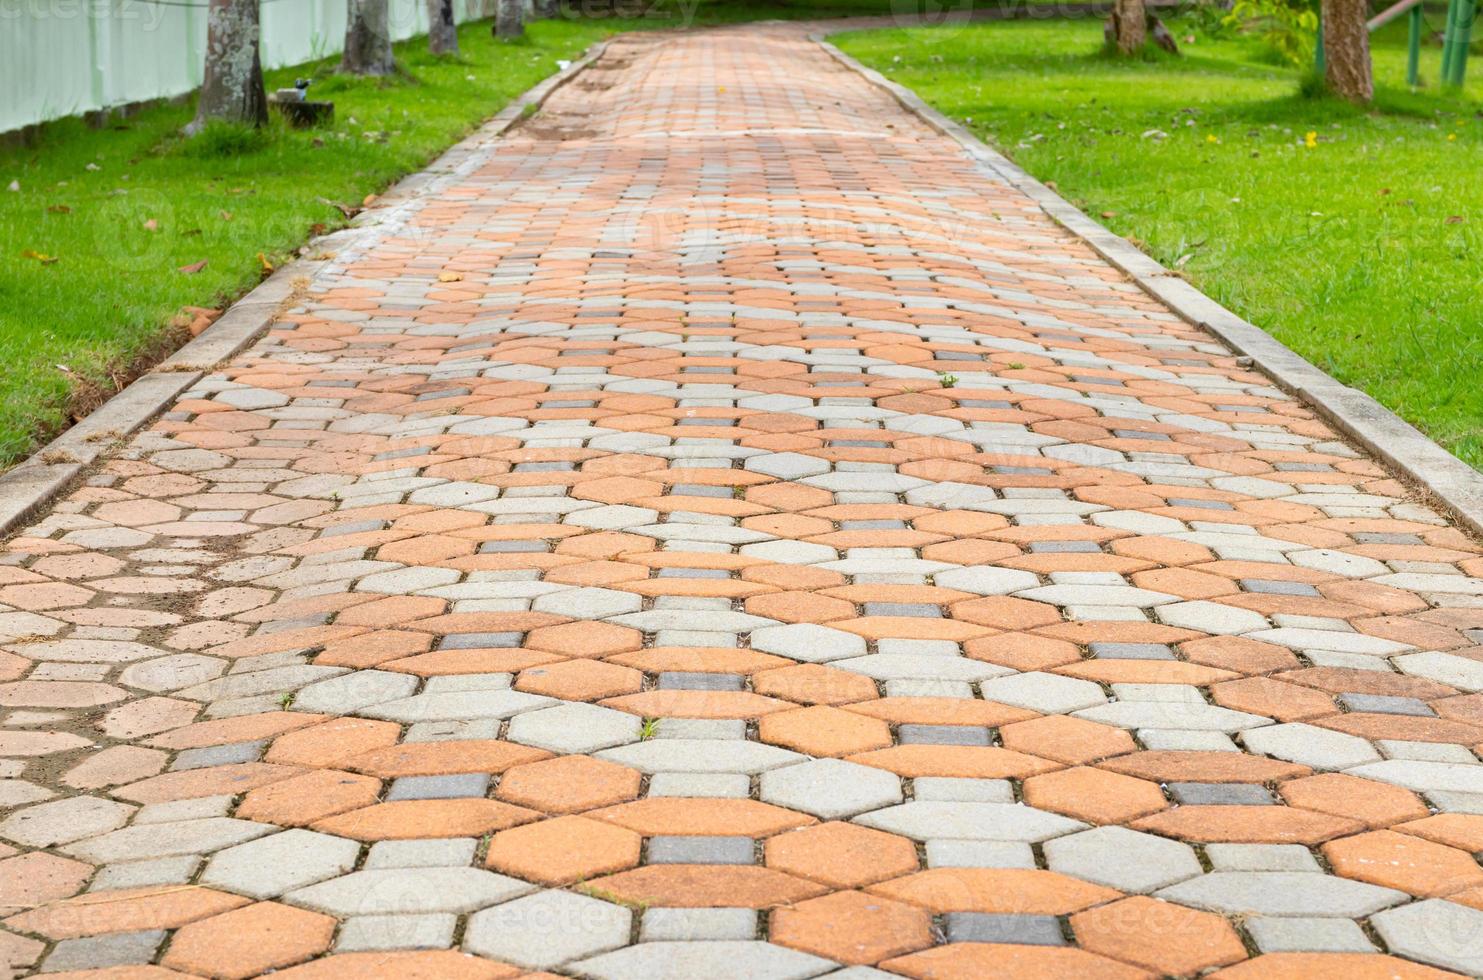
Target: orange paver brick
{"type": "Point", "coordinates": [841, 855]}
{"type": "Point", "coordinates": [248, 941]}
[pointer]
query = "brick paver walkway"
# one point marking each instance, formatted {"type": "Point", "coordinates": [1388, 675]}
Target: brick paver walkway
{"type": "Point", "coordinates": [605, 575]}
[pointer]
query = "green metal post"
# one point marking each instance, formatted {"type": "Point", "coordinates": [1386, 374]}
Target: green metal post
{"type": "Point", "coordinates": [1449, 38]}
{"type": "Point", "coordinates": [1413, 49]}
{"type": "Point", "coordinates": [1467, 10]}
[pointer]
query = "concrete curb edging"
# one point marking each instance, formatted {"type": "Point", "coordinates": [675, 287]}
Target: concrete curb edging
{"type": "Point", "coordinates": [47, 473]}
{"type": "Point", "coordinates": [1417, 459]}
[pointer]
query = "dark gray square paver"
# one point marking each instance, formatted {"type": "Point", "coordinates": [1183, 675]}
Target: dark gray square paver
{"type": "Point", "coordinates": [943, 735]}
{"type": "Point", "coordinates": [1132, 651]}
{"type": "Point", "coordinates": [688, 680]}
{"type": "Point", "coordinates": [1220, 794]}
{"type": "Point", "coordinates": [1025, 930]}
{"type": "Point", "coordinates": [1383, 704]}
{"type": "Point", "coordinates": [457, 786]}
{"type": "Point", "coordinates": [701, 850]}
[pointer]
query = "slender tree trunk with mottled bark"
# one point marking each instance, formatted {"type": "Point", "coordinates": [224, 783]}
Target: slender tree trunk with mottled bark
{"type": "Point", "coordinates": [232, 87]}
{"type": "Point", "coordinates": [1127, 26]}
{"type": "Point", "coordinates": [1346, 50]}
{"type": "Point", "coordinates": [442, 32]}
{"type": "Point", "coordinates": [509, 20]}
{"type": "Point", "coordinates": [368, 38]}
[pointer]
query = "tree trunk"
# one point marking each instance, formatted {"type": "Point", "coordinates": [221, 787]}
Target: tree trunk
{"type": "Point", "coordinates": [368, 38]}
{"type": "Point", "coordinates": [232, 87]}
{"type": "Point", "coordinates": [1128, 26]}
{"type": "Point", "coordinates": [442, 33]}
{"type": "Point", "coordinates": [509, 21]}
{"type": "Point", "coordinates": [547, 9]}
{"type": "Point", "coordinates": [1346, 50]}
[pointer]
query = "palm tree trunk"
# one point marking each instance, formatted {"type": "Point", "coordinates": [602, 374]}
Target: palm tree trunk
{"type": "Point", "coordinates": [367, 38]}
{"type": "Point", "coordinates": [232, 87]}
{"type": "Point", "coordinates": [442, 33]}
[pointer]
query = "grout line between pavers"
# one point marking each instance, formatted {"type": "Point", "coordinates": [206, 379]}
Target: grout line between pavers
{"type": "Point", "coordinates": [1405, 449]}
{"type": "Point", "coordinates": [43, 476]}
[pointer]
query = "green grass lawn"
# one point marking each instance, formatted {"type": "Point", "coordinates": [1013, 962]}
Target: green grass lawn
{"type": "Point", "coordinates": [1362, 252]}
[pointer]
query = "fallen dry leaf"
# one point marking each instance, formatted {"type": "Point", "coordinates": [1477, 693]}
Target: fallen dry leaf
{"type": "Point", "coordinates": [44, 259]}
{"type": "Point", "coordinates": [449, 277]}
{"type": "Point", "coordinates": [193, 268]}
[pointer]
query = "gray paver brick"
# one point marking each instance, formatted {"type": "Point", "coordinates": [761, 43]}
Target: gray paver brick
{"type": "Point", "coordinates": [696, 924]}
{"type": "Point", "coordinates": [1124, 859]}
{"type": "Point", "coordinates": [1281, 893]}
{"type": "Point", "coordinates": [1025, 930]}
{"type": "Point", "coordinates": [270, 866]}
{"type": "Point", "coordinates": [831, 788]}
{"type": "Point", "coordinates": [547, 929]}
{"type": "Point", "coordinates": [687, 960]}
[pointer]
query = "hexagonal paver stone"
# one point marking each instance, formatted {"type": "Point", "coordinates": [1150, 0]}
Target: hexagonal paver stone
{"type": "Point", "coordinates": [370, 932]}
{"type": "Point", "coordinates": [938, 820]}
{"type": "Point", "coordinates": [173, 672]}
{"type": "Point", "coordinates": [589, 603]}
{"type": "Point", "coordinates": [402, 891]}
{"type": "Point", "coordinates": [1310, 745]}
{"type": "Point", "coordinates": [984, 580]}
{"type": "Point", "coordinates": [788, 466]}
{"type": "Point", "coordinates": [687, 960]}
{"type": "Point", "coordinates": [352, 692]}
{"type": "Point", "coordinates": [273, 680]}
{"type": "Point", "coordinates": [918, 666]}
{"type": "Point", "coordinates": [831, 788]}
{"type": "Point", "coordinates": [808, 642]}
{"type": "Point", "coordinates": [1434, 931]}
{"type": "Point", "coordinates": [790, 552]}
{"type": "Point", "coordinates": [1123, 859]}
{"type": "Point", "coordinates": [152, 840]}
{"type": "Point", "coordinates": [1425, 777]}
{"type": "Point", "coordinates": [64, 821]}
{"type": "Point", "coordinates": [270, 866]}
{"type": "Point", "coordinates": [1180, 715]}
{"type": "Point", "coordinates": [1445, 668]}
{"type": "Point", "coordinates": [1281, 893]}
{"type": "Point", "coordinates": [1049, 694]}
{"type": "Point", "coordinates": [547, 929]}
{"type": "Point", "coordinates": [701, 755]}
{"type": "Point", "coordinates": [1211, 617]}
{"type": "Point", "coordinates": [457, 706]}
{"type": "Point", "coordinates": [574, 728]}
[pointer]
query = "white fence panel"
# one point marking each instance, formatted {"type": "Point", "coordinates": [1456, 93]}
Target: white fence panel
{"type": "Point", "coordinates": [64, 57]}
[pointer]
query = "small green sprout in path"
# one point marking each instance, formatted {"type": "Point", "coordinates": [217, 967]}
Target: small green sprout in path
{"type": "Point", "coordinates": [286, 701]}
{"type": "Point", "coordinates": [1352, 235]}
{"type": "Point", "coordinates": [648, 729]}
{"type": "Point", "coordinates": [947, 380]}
